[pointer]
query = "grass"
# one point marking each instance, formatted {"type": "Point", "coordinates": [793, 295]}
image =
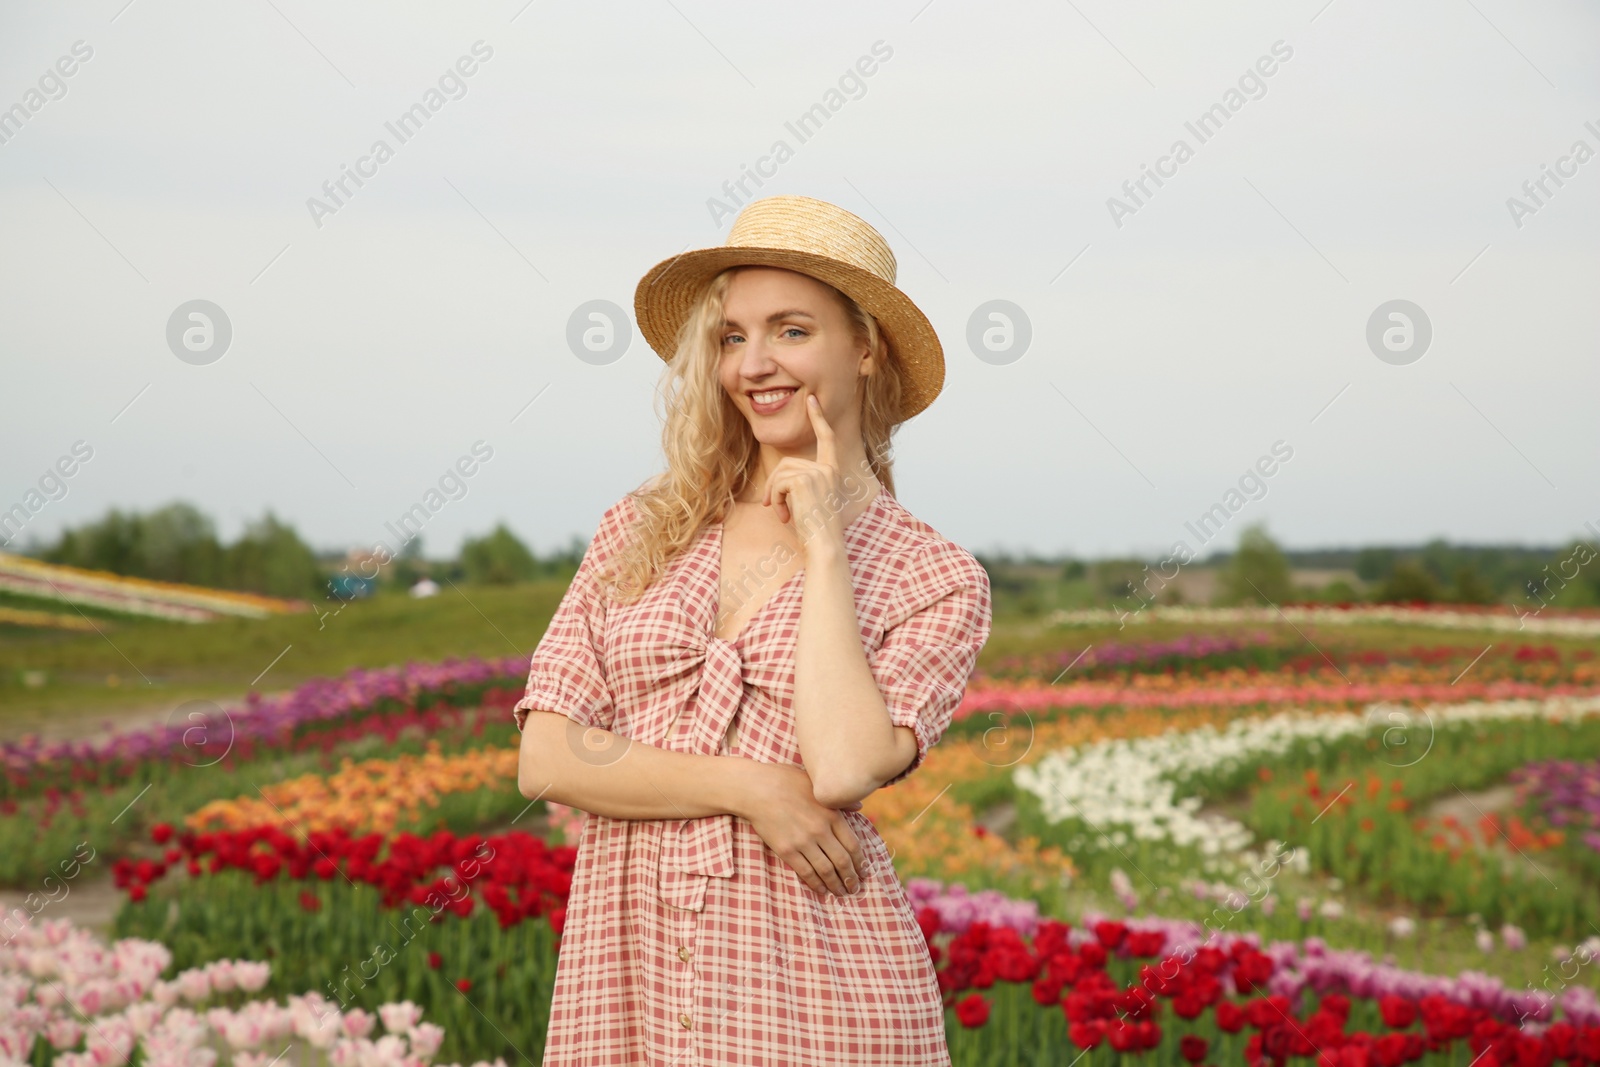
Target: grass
{"type": "Point", "coordinates": [152, 666]}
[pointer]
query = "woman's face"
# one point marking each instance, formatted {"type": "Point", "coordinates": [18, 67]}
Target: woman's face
{"type": "Point", "coordinates": [785, 337]}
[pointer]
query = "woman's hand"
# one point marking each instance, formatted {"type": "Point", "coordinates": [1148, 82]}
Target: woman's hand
{"type": "Point", "coordinates": [815, 841]}
{"type": "Point", "coordinates": [801, 488]}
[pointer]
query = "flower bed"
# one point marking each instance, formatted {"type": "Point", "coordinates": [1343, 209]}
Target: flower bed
{"type": "Point", "coordinates": [111, 791]}
{"type": "Point", "coordinates": [1137, 801]}
{"type": "Point", "coordinates": [1289, 656]}
{"type": "Point", "coordinates": [72, 1001]}
{"type": "Point", "coordinates": [1017, 987]}
{"type": "Point", "coordinates": [466, 926]}
{"type": "Point", "coordinates": [1566, 622]}
{"type": "Point", "coordinates": [315, 715]}
{"type": "Point", "coordinates": [1241, 689]}
{"type": "Point", "coordinates": [1565, 793]}
{"type": "Point", "coordinates": [379, 795]}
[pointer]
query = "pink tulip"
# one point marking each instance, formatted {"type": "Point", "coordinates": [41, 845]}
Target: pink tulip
{"type": "Point", "coordinates": [63, 1034]}
{"type": "Point", "coordinates": [220, 972]}
{"type": "Point", "coordinates": [251, 975]}
{"type": "Point", "coordinates": [358, 1023]}
{"type": "Point", "coordinates": [399, 1018]}
{"type": "Point", "coordinates": [195, 985]}
{"type": "Point", "coordinates": [426, 1039]}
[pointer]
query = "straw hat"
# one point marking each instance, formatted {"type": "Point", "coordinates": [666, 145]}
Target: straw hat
{"type": "Point", "coordinates": [815, 238]}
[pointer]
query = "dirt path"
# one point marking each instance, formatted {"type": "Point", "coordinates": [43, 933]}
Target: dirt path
{"type": "Point", "coordinates": [1469, 808]}
{"type": "Point", "coordinates": [74, 725]}
{"type": "Point", "coordinates": [89, 901]}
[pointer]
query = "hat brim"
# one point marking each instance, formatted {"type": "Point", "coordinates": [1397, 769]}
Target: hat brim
{"type": "Point", "coordinates": [667, 293]}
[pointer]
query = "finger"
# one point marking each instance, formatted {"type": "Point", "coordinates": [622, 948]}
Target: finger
{"type": "Point", "coordinates": [844, 866]}
{"type": "Point", "coordinates": [827, 445]}
{"type": "Point", "coordinates": [802, 866]}
{"type": "Point", "coordinates": [779, 487]}
{"type": "Point", "coordinates": [852, 846]}
{"type": "Point", "coordinates": [827, 864]}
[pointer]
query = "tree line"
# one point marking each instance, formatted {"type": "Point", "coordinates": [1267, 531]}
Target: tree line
{"type": "Point", "coordinates": [179, 543]}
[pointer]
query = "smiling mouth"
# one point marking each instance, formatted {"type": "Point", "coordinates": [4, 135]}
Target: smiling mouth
{"type": "Point", "coordinates": [772, 396]}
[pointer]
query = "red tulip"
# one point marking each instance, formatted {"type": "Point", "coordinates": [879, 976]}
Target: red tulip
{"type": "Point", "coordinates": [1123, 1035]}
{"type": "Point", "coordinates": [1111, 934]}
{"type": "Point", "coordinates": [973, 1011]}
{"type": "Point", "coordinates": [1087, 1034]}
{"type": "Point", "coordinates": [1398, 1012]}
{"type": "Point", "coordinates": [1230, 1017]}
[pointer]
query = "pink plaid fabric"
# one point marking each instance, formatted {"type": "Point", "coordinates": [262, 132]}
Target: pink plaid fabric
{"type": "Point", "coordinates": [688, 941]}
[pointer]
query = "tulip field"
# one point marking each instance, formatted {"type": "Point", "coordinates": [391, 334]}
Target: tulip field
{"type": "Point", "coordinates": [1369, 839]}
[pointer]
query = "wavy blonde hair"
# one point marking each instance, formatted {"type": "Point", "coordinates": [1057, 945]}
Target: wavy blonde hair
{"type": "Point", "coordinates": [712, 452]}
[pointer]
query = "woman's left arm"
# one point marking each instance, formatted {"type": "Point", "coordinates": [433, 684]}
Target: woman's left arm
{"type": "Point", "coordinates": [859, 724]}
{"type": "Point", "coordinates": [847, 742]}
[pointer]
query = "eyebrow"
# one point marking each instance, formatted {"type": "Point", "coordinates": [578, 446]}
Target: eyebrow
{"type": "Point", "coordinates": [792, 313]}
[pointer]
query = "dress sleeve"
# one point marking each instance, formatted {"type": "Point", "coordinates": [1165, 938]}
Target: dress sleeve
{"type": "Point", "coordinates": [940, 618]}
{"type": "Point", "coordinates": [568, 673]}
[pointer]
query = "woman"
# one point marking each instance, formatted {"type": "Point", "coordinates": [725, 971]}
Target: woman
{"type": "Point", "coordinates": [755, 641]}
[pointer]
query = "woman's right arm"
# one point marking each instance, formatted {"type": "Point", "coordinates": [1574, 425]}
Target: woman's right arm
{"type": "Point", "coordinates": [608, 774]}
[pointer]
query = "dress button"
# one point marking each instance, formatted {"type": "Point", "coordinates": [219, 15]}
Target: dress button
{"type": "Point", "coordinates": [684, 1019]}
{"type": "Point", "coordinates": [683, 953]}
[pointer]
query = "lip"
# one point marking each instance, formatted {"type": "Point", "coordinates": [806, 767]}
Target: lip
{"type": "Point", "coordinates": [776, 406]}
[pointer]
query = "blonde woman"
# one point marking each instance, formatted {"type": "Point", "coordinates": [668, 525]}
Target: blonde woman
{"type": "Point", "coordinates": [756, 640]}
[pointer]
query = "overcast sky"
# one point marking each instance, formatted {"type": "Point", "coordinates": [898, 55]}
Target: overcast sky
{"type": "Point", "coordinates": [1176, 336]}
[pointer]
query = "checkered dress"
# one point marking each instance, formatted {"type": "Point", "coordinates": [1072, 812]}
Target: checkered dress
{"type": "Point", "coordinates": [688, 942]}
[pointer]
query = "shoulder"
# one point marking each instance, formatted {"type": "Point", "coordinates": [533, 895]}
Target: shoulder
{"type": "Point", "coordinates": [929, 565]}
{"type": "Point", "coordinates": [615, 522]}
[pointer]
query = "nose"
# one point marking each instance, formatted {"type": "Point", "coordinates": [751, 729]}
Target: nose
{"type": "Point", "coordinates": [756, 361]}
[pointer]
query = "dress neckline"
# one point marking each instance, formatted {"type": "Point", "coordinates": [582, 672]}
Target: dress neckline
{"type": "Point", "coordinates": [851, 530]}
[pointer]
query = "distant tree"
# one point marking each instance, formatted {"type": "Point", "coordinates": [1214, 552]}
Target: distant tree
{"type": "Point", "coordinates": [1471, 587]}
{"type": "Point", "coordinates": [1258, 572]}
{"type": "Point", "coordinates": [111, 544]}
{"type": "Point", "coordinates": [1339, 591]}
{"type": "Point", "coordinates": [1442, 561]}
{"type": "Point", "coordinates": [499, 558]}
{"type": "Point", "coordinates": [174, 543]}
{"type": "Point", "coordinates": [1073, 571]}
{"type": "Point", "coordinates": [1009, 582]}
{"type": "Point", "coordinates": [1570, 580]}
{"type": "Point", "coordinates": [179, 544]}
{"type": "Point", "coordinates": [1123, 578]}
{"type": "Point", "coordinates": [1409, 580]}
{"type": "Point", "coordinates": [271, 558]}
{"type": "Point", "coordinates": [1373, 564]}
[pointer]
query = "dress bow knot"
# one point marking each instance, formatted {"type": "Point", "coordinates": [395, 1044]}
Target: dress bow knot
{"type": "Point", "coordinates": [693, 851]}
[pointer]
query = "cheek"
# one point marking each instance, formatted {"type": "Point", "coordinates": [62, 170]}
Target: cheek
{"type": "Point", "coordinates": [728, 375]}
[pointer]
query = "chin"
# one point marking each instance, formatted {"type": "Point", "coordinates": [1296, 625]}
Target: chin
{"type": "Point", "coordinates": [776, 438]}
